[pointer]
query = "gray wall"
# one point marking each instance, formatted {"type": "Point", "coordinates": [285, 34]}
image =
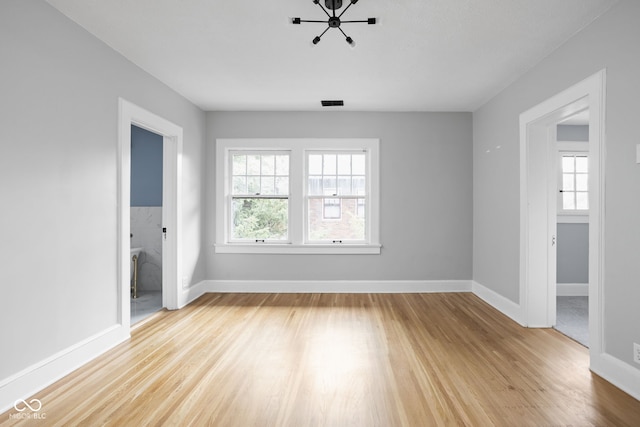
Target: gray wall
{"type": "Point", "coordinates": [573, 133]}
{"type": "Point", "coordinates": [573, 253]}
{"type": "Point", "coordinates": [611, 42]}
{"type": "Point", "coordinates": [59, 91]}
{"type": "Point", "coordinates": [425, 232]}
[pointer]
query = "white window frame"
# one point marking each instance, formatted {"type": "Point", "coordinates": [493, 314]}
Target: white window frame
{"type": "Point", "coordinates": [231, 196]}
{"type": "Point", "coordinates": [333, 195]}
{"type": "Point", "coordinates": [571, 148]}
{"type": "Point", "coordinates": [297, 149]}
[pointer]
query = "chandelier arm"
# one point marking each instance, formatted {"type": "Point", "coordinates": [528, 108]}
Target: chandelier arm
{"type": "Point", "coordinates": [342, 32]}
{"type": "Point", "coordinates": [351, 22]}
{"type": "Point", "coordinates": [318, 22]}
{"type": "Point", "coordinates": [324, 10]}
{"type": "Point", "coordinates": [345, 9]}
{"type": "Point", "coordinates": [324, 32]}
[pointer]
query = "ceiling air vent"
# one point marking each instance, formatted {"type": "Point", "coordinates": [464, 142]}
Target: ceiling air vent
{"type": "Point", "coordinates": [332, 103]}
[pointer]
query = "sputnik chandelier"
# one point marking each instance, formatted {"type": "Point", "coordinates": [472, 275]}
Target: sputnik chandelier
{"type": "Point", "coordinates": [334, 21]}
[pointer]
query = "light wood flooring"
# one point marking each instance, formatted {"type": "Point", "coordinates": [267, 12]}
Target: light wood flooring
{"type": "Point", "coordinates": [337, 360]}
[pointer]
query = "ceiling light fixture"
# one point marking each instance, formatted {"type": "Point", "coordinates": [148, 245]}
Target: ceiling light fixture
{"type": "Point", "coordinates": [334, 20]}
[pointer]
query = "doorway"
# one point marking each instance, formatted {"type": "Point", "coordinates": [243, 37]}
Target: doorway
{"type": "Point", "coordinates": [538, 205]}
{"type": "Point", "coordinates": [146, 223]}
{"type": "Point", "coordinates": [572, 291]}
{"type": "Point", "coordinates": [171, 134]}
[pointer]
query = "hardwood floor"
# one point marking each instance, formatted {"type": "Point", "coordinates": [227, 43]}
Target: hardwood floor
{"type": "Point", "coordinates": [337, 360]}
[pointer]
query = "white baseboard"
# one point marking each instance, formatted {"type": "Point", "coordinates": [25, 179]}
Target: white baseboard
{"type": "Point", "coordinates": [613, 370]}
{"type": "Point", "coordinates": [36, 377]}
{"type": "Point", "coordinates": [497, 301]}
{"type": "Point", "coordinates": [618, 373]}
{"type": "Point", "coordinates": [336, 286]}
{"type": "Point", "coordinates": [192, 293]}
{"type": "Point", "coordinates": [572, 289]}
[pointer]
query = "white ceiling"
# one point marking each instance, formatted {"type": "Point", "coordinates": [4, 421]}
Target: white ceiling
{"type": "Point", "coordinates": [425, 55]}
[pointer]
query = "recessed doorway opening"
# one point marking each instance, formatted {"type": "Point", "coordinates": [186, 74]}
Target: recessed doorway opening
{"type": "Point", "coordinates": [539, 206]}
{"type": "Point", "coordinates": [572, 170]}
{"type": "Point", "coordinates": [132, 116]}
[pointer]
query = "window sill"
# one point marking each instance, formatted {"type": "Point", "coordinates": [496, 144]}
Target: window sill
{"type": "Point", "coordinates": [288, 249]}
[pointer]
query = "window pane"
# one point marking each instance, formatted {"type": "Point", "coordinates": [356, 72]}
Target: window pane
{"type": "Point", "coordinates": [268, 165]}
{"type": "Point", "coordinates": [253, 185]}
{"type": "Point", "coordinates": [329, 187]}
{"type": "Point", "coordinates": [239, 185]}
{"type": "Point", "coordinates": [256, 174]}
{"type": "Point", "coordinates": [582, 201]}
{"type": "Point", "coordinates": [359, 185]}
{"type": "Point", "coordinates": [567, 182]}
{"type": "Point", "coordinates": [315, 185]}
{"type": "Point", "coordinates": [568, 200]}
{"type": "Point", "coordinates": [344, 185]}
{"type": "Point", "coordinates": [282, 185]}
{"type": "Point", "coordinates": [253, 165]}
{"type": "Point", "coordinates": [239, 165]}
{"type": "Point", "coordinates": [267, 185]}
{"type": "Point", "coordinates": [282, 165]}
{"type": "Point", "coordinates": [329, 164]}
{"type": "Point", "coordinates": [568, 163]}
{"type": "Point", "coordinates": [259, 219]}
{"type": "Point", "coordinates": [315, 164]}
{"type": "Point", "coordinates": [582, 182]}
{"type": "Point", "coordinates": [344, 164]}
{"type": "Point", "coordinates": [358, 164]}
{"type": "Point", "coordinates": [349, 225]}
{"type": "Point", "coordinates": [582, 164]}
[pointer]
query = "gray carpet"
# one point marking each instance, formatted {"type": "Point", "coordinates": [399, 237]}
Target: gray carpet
{"type": "Point", "coordinates": [572, 318]}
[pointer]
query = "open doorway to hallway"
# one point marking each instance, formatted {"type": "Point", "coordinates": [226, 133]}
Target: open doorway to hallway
{"type": "Point", "coordinates": [539, 193]}
{"type": "Point", "coordinates": [572, 278]}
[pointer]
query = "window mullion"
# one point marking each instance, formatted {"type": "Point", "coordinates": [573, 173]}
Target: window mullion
{"type": "Point", "coordinates": [296, 197]}
{"type": "Point", "coordinates": [575, 180]}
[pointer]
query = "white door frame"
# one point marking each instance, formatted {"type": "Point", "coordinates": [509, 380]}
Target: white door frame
{"type": "Point", "coordinates": [130, 114]}
{"type": "Point", "coordinates": [538, 222]}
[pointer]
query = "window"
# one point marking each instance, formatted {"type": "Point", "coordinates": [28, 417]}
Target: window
{"type": "Point", "coordinates": [574, 183]}
{"type": "Point", "coordinates": [259, 196]}
{"type": "Point", "coordinates": [297, 196]}
{"type": "Point", "coordinates": [341, 176]}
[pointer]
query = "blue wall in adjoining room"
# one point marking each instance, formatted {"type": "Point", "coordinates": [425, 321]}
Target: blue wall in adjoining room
{"type": "Point", "coordinates": [146, 168]}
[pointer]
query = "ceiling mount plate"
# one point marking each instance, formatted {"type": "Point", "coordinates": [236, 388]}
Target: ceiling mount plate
{"type": "Point", "coordinates": [333, 4]}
